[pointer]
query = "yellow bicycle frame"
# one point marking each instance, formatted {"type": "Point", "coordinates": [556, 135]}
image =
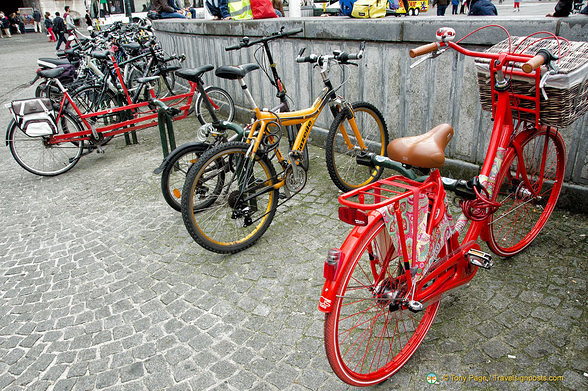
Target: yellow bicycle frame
{"type": "Point", "coordinates": [306, 118]}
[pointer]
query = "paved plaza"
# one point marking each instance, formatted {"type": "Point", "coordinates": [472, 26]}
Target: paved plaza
{"type": "Point", "coordinates": [101, 287]}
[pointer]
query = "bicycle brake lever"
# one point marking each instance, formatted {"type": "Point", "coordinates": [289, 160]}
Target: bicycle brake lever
{"type": "Point", "coordinates": [420, 60]}
{"type": "Point", "coordinates": [544, 80]}
{"type": "Point", "coordinates": [434, 54]}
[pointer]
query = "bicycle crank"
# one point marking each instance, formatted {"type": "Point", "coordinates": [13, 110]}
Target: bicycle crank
{"type": "Point", "coordinates": [295, 178]}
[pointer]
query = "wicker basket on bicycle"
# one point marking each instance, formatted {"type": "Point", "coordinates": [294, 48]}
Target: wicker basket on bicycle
{"type": "Point", "coordinates": [567, 91]}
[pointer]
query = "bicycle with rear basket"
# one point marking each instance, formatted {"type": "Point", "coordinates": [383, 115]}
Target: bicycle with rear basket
{"type": "Point", "coordinates": [383, 285]}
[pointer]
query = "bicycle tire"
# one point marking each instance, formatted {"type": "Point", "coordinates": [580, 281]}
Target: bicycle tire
{"type": "Point", "coordinates": [35, 155]}
{"type": "Point", "coordinates": [220, 225]}
{"type": "Point", "coordinates": [521, 217]}
{"type": "Point", "coordinates": [366, 340]}
{"type": "Point", "coordinates": [222, 100]}
{"type": "Point", "coordinates": [174, 174]}
{"type": "Point", "coordinates": [40, 90]}
{"type": "Point", "coordinates": [343, 169]}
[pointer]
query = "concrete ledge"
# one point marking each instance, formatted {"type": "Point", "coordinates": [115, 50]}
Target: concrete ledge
{"type": "Point", "coordinates": [382, 30]}
{"type": "Point", "coordinates": [439, 90]}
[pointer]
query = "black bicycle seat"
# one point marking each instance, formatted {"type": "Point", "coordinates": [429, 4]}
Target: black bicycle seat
{"type": "Point", "coordinates": [54, 61]}
{"type": "Point", "coordinates": [100, 54]}
{"type": "Point", "coordinates": [235, 72]}
{"type": "Point", "coordinates": [132, 46]}
{"type": "Point", "coordinates": [51, 73]}
{"type": "Point", "coordinates": [193, 74]}
{"type": "Point", "coordinates": [143, 80]}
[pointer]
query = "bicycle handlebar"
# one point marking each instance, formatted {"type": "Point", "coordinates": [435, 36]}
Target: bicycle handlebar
{"type": "Point", "coordinates": [424, 49]}
{"type": "Point", "coordinates": [339, 56]}
{"type": "Point", "coordinates": [245, 42]}
{"type": "Point", "coordinates": [530, 63]}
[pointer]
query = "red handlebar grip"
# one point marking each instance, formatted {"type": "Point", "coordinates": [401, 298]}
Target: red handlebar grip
{"type": "Point", "coordinates": [428, 48]}
{"type": "Point", "coordinates": [533, 63]}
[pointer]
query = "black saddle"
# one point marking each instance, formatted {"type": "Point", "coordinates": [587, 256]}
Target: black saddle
{"type": "Point", "coordinates": [235, 72]}
{"type": "Point", "coordinates": [100, 54]}
{"type": "Point", "coordinates": [193, 74]}
{"type": "Point", "coordinates": [45, 61]}
{"type": "Point", "coordinates": [51, 73]}
{"type": "Point", "coordinates": [148, 79]}
{"type": "Point", "coordinates": [133, 47]}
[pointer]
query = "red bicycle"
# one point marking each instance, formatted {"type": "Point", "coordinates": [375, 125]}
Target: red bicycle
{"type": "Point", "coordinates": [383, 285]}
{"type": "Point", "coordinates": [49, 139]}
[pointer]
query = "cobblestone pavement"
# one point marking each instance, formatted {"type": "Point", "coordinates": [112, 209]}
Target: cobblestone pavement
{"type": "Point", "coordinates": [101, 287]}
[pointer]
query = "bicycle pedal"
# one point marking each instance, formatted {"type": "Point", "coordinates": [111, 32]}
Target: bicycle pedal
{"type": "Point", "coordinates": [480, 259]}
{"type": "Point", "coordinates": [99, 150]}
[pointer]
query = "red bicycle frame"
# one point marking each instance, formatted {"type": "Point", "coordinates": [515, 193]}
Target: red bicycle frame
{"type": "Point", "coordinates": [452, 270]}
{"type": "Point", "coordinates": [184, 101]}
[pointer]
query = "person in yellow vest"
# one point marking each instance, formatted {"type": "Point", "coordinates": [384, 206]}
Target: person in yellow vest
{"type": "Point", "coordinates": [240, 9]}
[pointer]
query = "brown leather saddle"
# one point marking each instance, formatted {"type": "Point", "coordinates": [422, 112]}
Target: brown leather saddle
{"type": "Point", "coordinates": [425, 150]}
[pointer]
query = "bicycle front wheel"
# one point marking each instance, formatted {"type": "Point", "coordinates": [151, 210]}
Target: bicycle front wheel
{"type": "Point", "coordinates": [38, 155]}
{"type": "Point", "coordinates": [222, 104]}
{"type": "Point", "coordinates": [228, 200]}
{"type": "Point", "coordinates": [174, 174]}
{"type": "Point", "coordinates": [342, 146]}
{"type": "Point", "coordinates": [369, 336]}
{"type": "Point", "coordinates": [524, 210]}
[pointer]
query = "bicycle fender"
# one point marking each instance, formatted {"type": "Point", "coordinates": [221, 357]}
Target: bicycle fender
{"type": "Point", "coordinates": [179, 150]}
{"type": "Point", "coordinates": [8, 130]}
{"type": "Point", "coordinates": [331, 287]}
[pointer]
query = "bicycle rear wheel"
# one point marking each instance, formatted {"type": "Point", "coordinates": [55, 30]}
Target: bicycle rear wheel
{"type": "Point", "coordinates": [522, 215]}
{"type": "Point", "coordinates": [165, 85]}
{"type": "Point", "coordinates": [38, 155]}
{"type": "Point", "coordinates": [174, 174]}
{"type": "Point", "coordinates": [228, 201]}
{"type": "Point", "coordinates": [368, 336]}
{"type": "Point", "coordinates": [342, 146]}
{"type": "Point", "coordinates": [223, 105]}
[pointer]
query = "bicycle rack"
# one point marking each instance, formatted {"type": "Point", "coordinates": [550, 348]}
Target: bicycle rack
{"type": "Point", "coordinates": [166, 131]}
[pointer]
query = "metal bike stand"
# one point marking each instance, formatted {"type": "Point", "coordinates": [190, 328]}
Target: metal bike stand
{"type": "Point", "coordinates": [127, 115]}
{"type": "Point", "coordinates": [165, 120]}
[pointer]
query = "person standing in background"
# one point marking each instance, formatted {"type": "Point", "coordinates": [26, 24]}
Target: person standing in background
{"type": "Point", "coordinates": [441, 7]}
{"type": "Point", "coordinates": [59, 29]}
{"type": "Point", "coordinates": [517, 6]}
{"type": "Point", "coordinates": [37, 20]}
{"type": "Point", "coordinates": [455, 6]}
{"type": "Point", "coordinates": [70, 27]}
{"type": "Point", "coordinates": [49, 26]}
{"type": "Point", "coordinates": [88, 19]}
